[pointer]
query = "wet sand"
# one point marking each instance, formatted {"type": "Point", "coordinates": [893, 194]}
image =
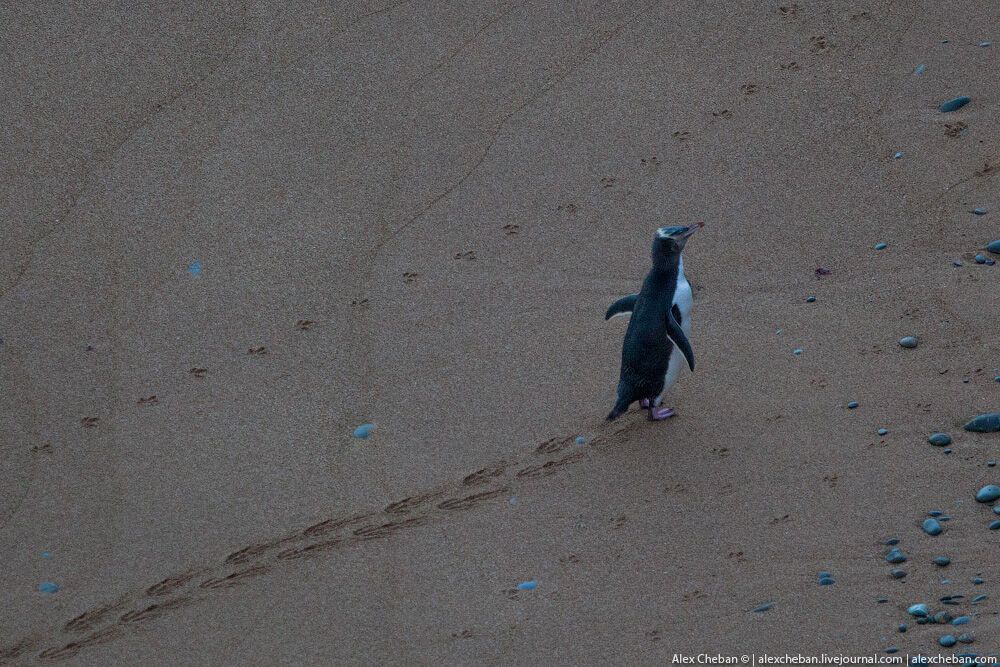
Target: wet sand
{"type": "Point", "coordinates": [415, 216]}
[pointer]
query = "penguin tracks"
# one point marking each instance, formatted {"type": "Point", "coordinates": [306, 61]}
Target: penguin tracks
{"type": "Point", "coordinates": [148, 400]}
{"type": "Point", "coordinates": [198, 372]}
{"type": "Point", "coordinates": [468, 255]}
{"type": "Point", "coordinates": [818, 44]}
{"type": "Point", "coordinates": [485, 475]}
{"type": "Point", "coordinates": [90, 422]}
{"type": "Point", "coordinates": [749, 89]}
{"type": "Point", "coordinates": [256, 351]}
{"type": "Point", "coordinates": [512, 229]}
{"type": "Point", "coordinates": [955, 129]}
{"type": "Point", "coordinates": [304, 325]}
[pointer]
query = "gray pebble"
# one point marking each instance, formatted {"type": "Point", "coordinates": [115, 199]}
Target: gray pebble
{"type": "Point", "coordinates": [979, 211]}
{"type": "Point", "coordinates": [961, 620]}
{"type": "Point", "coordinates": [954, 104]}
{"type": "Point", "coordinates": [883, 431]}
{"type": "Point", "coordinates": [852, 405]}
{"type": "Point", "coordinates": [935, 513]}
{"type": "Point", "coordinates": [966, 638]}
{"type": "Point", "coordinates": [918, 610]}
{"type": "Point", "coordinates": [995, 525]}
{"type": "Point", "coordinates": [980, 259]}
{"type": "Point", "coordinates": [810, 299]}
{"type": "Point", "coordinates": [881, 246]}
{"type": "Point", "coordinates": [984, 423]}
{"type": "Point", "coordinates": [977, 580]}
{"type": "Point", "coordinates": [902, 627]}
{"type": "Point", "coordinates": [979, 598]}
{"type": "Point", "coordinates": [942, 561]}
{"type": "Point", "coordinates": [994, 247]}
{"type": "Point", "coordinates": [896, 573]}
{"type": "Point", "coordinates": [957, 263]}
{"type": "Point", "coordinates": [939, 439]}
{"type": "Point", "coordinates": [762, 608]}
{"type": "Point", "coordinates": [908, 341]}
{"type": "Point", "coordinates": [947, 641]}
{"type": "Point", "coordinates": [895, 556]}
{"type": "Point", "coordinates": [988, 493]}
{"type": "Point", "coordinates": [892, 541]}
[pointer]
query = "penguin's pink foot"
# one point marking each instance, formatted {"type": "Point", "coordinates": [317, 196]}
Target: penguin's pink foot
{"type": "Point", "coordinates": [659, 414]}
{"type": "Point", "coordinates": [644, 403]}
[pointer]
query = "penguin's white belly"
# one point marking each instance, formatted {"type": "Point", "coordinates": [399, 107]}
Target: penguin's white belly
{"type": "Point", "coordinates": [683, 299]}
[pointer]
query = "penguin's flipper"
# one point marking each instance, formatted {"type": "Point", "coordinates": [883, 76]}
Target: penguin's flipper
{"type": "Point", "coordinates": [622, 306]}
{"type": "Point", "coordinates": [678, 338]}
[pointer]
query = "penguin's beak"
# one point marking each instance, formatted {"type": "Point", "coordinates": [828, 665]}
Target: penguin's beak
{"type": "Point", "coordinates": [689, 232]}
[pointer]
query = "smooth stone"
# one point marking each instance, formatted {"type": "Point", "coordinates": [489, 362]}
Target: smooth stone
{"type": "Point", "coordinates": [979, 211]}
{"type": "Point", "coordinates": [580, 440]}
{"type": "Point", "coordinates": [956, 263]}
{"type": "Point", "coordinates": [935, 513]}
{"type": "Point", "coordinates": [797, 351]}
{"type": "Point", "coordinates": [932, 527]}
{"type": "Point", "coordinates": [903, 627]}
{"type": "Point", "coordinates": [892, 541]}
{"type": "Point", "coordinates": [908, 341]}
{"type": "Point", "coordinates": [988, 493]}
{"type": "Point", "coordinates": [947, 451]}
{"type": "Point", "coordinates": [984, 44]}
{"type": "Point", "coordinates": [992, 463]}
{"type": "Point", "coordinates": [883, 431]}
{"type": "Point", "coordinates": [939, 439]}
{"type": "Point", "coordinates": [527, 585]}
{"type": "Point", "coordinates": [961, 620]}
{"type": "Point", "coordinates": [852, 405]}
{"type": "Point", "coordinates": [942, 617]}
{"type": "Point", "coordinates": [897, 155]}
{"type": "Point", "coordinates": [810, 299]}
{"type": "Point", "coordinates": [918, 610]}
{"type": "Point", "coordinates": [824, 575]}
{"type": "Point", "coordinates": [996, 509]}
{"type": "Point", "coordinates": [966, 638]}
{"type": "Point", "coordinates": [895, 556]}
{"type": "Point", "coordinates": [984, 423]}
{"type": "Point", "coordinates": [762, 608]}
{"type": "Point", "coordinates": [364, 431]}
{"type": "Point", "coordinates": [995, 525]}
{"type": "Point", "coordinates": [897, 573]}
{"type": "Point", "coordinates": [994, 247]}
{"type": "Point", "coordinates": [881, 246]}
{"type": "Point", "coordinates": [892, 649]}
{"type": "Point", "coordinates": [954, 104]}
{"type": "Point", "coordinates": [977, 580]}
{"type": "Point", "coordinates": [48, 587]}
{"type": "Point", "coordinates": [46, 554]}
{"type": "Point", "coordinates": [947, 641]}
{"type": "Point", "coordinates": [980, 259]}
{"type": "Point", "coordinates": [979, 598]}
{"type": "Point", "coordinates": [942, 561]}
{"type": "Point", "coordinates": [919, 69]}
{"type": "Point", "coordinates": [945, 518]}
{"type": "Point", "coordinates": [825, 581]}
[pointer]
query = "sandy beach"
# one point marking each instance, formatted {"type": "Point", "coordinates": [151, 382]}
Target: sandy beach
{"type": "Point", "coordinates": [235, 232]}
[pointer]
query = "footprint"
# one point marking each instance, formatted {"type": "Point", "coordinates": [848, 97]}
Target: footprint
{"type": "Point", "coordinates": [410, 278]}
{"type": "Point", "coordinates": [790, 11]}
{"type": "Point", "coordinates": [569, 208]}
{"type": "Point", "coordinates": [234, 579]}
{"type": "Point", "coordinates": [511, 230]}
{"type": "Point", "coordinates": [153, 611]}
{"type": "Point", "coordinates": [653, 635]}
{"type": "Point", "coordinates": [90, 422]}
{"type": "Point", "coordinates": [485, 475]}
{"type": "Point", "coordinates": [681, 135]}
{"type": "Point", "coordinates": [304, 325]}
{"type": "Point", "coordinates": [986, 170]}
{"type": "Point", "coordinates": [725, 113]}
{"type": "Point", "coordinates": [858, 16]}
{"type": "Point", "coordinates": [652, 161]}
{"type": "Point", "coordinates": [468, 255]}
{"type": "Point", "coordinates": [955, 129]}
{"type": "Point", "coordinates": [198, 372]}
{"type": "Point", "coordinates": [464, 634]}
{"type": "Point", "coordinates": [257, 351]}
{"type": "Point", "coordinates": [721, 452]}
{"type": "Point", "coordinates": [360, 303]}
{"type": "Point", "coordinates": [550, 467]}
{"type": "Point", "coordinates": [149, 400]}
{"type": "Point", "coordinates": [608, 181]}
{"type": "Point", "coordinates": [737, 556]}
{"type": "Point", "coordinates": [468, 502]}
{"type": "Point", "coordinates": [407, 505]}
{"type": "Point", "coordinates": [618, 522]}
{"type": "Point", "coordinates": [818, 44]}
{"type": "Point", "coordinates": [784, 518]}
{"type": "Point", "coordinates": [791, 66]}
{"type": "Point", "coordinates": [748, 88]}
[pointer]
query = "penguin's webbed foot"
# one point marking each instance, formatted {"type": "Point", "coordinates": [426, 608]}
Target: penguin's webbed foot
{"type": "Point", "coordinates": [644, 403]}
{"type": "Point", "coordinates": [659, 414]}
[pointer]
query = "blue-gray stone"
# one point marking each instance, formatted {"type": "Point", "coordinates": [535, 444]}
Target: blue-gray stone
{"type": "Point", "coordinates": [881, 246]}
{"type": "Point", "coordinates": [980, 259]}
{"type": "Point", "coordinates": [954, 104]}
{"type": "Point", "coordinates": [992, 462]}
{"type": "Point", "coordinates": [883, 431]}
{"type": "Point", "coordinates": [892, 541]}
{"type": "Point", "coordinates": [892, 649]}
{"type": "Point", "coordinates": [994, 247]}
{"type": "Point", "coordinates": [957, 263]}
{"type": "Point", "coordinates": [364, 431]}
{"type": "Point", "coordinates": [908, 341]}
{"type": "Point", "coordinates": [961, 620]}
{"type": "Point", "coordinates": [897, 155]}
{"type": "Point", "coordinates": [797, 351]}
{"type": "Point", "coordinates": [896, 573]}
{"type": "Point", "coordinates": [939, 439]}
{"type": "Point", "coordinates": [825, 581]}
{"type": "Point", "coordinates": [988, 493]}
{"type": "Point", "coordinates": [852, 405]}
{"type": "Point", "coordinates": [580, 440]}
{"type": "Point", "coordinates": [810, 299]}
{"type": "Point", "coordinates": [919, 69]}
{"type": "Point", "coordinates": [985, 423]}
{"type": "Point", "coordinates": [918, 610]}
{"type": "Point", "coordinates": [947, 450]}
{"type": "Point", "coordinates": [977, 580]}
{"type": "Point", "coordinates": [966, 638]}
{"type": "Point", "coordinates": [979, 598]}
{"type": "Point", "coordinates": [942, 561]}
{"type": "Point", "coordinates": [902, 627]}
{"type": "Point", "coordinates": [979, 211]}
{"type": "Point", "coordinates": [935, 513]}
{"type": "Point", "coordinates": [947, 641]}
{"type": "Point", "coordinates": [762, 608]}
{"type": "Point", "coordinates": [48, 587]}
{"type": "Point", "coordinates": [895, 556]}
{"type": "Point", "coordinates": [996, 509]}
{"type": "Point", "coordinates": [932, 527]}
{"type": "Point", "coordinates": [942, 617]}
{"type": "Point", "coordinates": [995, 525]}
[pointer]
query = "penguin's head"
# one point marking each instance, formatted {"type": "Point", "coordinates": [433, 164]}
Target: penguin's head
{"type": "Point", "coordinates": [670, 241]}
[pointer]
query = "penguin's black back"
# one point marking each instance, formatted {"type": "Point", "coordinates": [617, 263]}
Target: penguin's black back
{"type": "Point", "coordinates": [647, 348]}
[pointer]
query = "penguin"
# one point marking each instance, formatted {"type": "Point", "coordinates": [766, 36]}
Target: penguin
{"type": "Point", "coordinates": [657, 334]}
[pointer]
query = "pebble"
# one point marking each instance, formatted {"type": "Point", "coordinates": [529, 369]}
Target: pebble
{"type": "Point", "coordinates": [762, 608]}
{"type": "Point", "coordinates": [984, 423]}
{"type": "Point", "coordinates": [48, 587]}
{"type": "Point", "coordinates": [988, 493]}
{"type": "Point", "coordinates": [919, 69]}
{"type": "Point", "coordinates": [892, 541]}
{"type": "Point", "coordinates": [996, 509]}
{"type": "Point", "coordinates": [947, 450]}
{"type": "Point", "coordinates": [992, 463]}
{"type": "Point", "coordinates": [908, 341]}
{"type": "Point", "coordinates": [46, 554]}
{"type": "Point", "coordinates": [966, 638]}
{"type": "Point", "coordinates": [947, 641]}
{"type": "Point", "coordinates": [939, 439]}
{"type": "Point", "coordinates": [942, 561]}
{"type": "Point", "coordinates": [918, 610]}
{"type": "Point", "coordinates": [979, 598]}
{"type": "Point", "coordinates": [883, 431]}
{"type": "Point", "coordinates": [954, 104]}
{"type": "Point", "coordinates": [977, 580]}
{"type": "Point", "coordinates": [984, 44]}
{"type": "Point", "coordinates": [943, 617]}
{"type": "Point", "coordinates": [580, 440]}
{"type": "Point", "coordinates": [895, 556]}
{"type": "Point", "coordinates": [995, 525]}
{"type": "Point", "coordinates": [935, 513]}
{"type": "Point", "coordinates": [852, 405]}
{"type": "Point", "coordinates": [892, 649]}
{"type": "Point", "coordinates": [896, 573]}
{"type": "Point", "coordinates": [898, 155]}
{"type": "Point", "coordinates": [195, 269]}
{"type": "Point", "coordinates": [364, 431]}
{"type": "Point", "coordinates": [527, 585]}
{"type": "Point", "coordinates": [902, 627]}
{"type": "Point", "coordinates": [980, 259]}
{"type": "Point", "coordinates": [956, 263]}
{"type": "Point", "coordinates": [881, 246]}
{"type": "Point", "coordinates": [825, 581]}
{"type": "Point", "coordinates": [810, 299]}
{"type": "Point", "coordinates": [797, 351]}
{"type": "Point", "coordinates": [932, 527]}
{"type": "Point", "coordinates": [979, 211]}
{"type": "Point", "coordinates": [961, 620]}
{"type": "Point", "coordinates": [994, 247]}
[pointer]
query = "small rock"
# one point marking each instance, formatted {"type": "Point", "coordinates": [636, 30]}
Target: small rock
{"type": "Point", "coordinates": [947, 641]}
{"type": "Point", "coordinates": [939, 439]}
{"type": "Point", "coordinates": [892, 541]}
{"type": "Point", "coordinates": [48, 587]}
{"type": "Point", "coordinates": [797, 351]}
{"type": "Point", "coordinates": [961, 620]}
{"type": "Point", "coordinates": [943, 617]}
{"type": "Point", "coordinates": [762, 608]}
{"type": "Point", "coordinates": [527, 585]}
{"type": "Point", "coordinates": [902, 627]}
{"type": "Point", "coordinates": [995, 525]}
{"type": "Point", "coordinates": [918, 610]}
{"type": "Point", "coordinates": [979, 211]}
{"type": "Point", "coordinates": [364, 431]}
{"type": "Point", "coordinates": [984, 44]}
{"type": "Point", "coordinates": [956, 263]}
{"type": "Point", "coordinates": [966, 638]}
{"type": "Point", "coordinates": [954, 104]}
{"type": "Point", "coordinates": [977, 580]}
{"type": "Point", "coordinates": [947, 450]}
{"type": "Point", "coordinates": [932, 527]}
{"type": "Point", "coordinates": [810, 299]}
{"type": "Point", "coordinates": [897, 155]}
{"type": "Point", "coordinates": [852, 405]}
{"type": "Point", "coordinates": [908, 341]}
{"type": "Point", "coordinates": [994, 247]}
{"type": "Point", "coordinates": [580, 440]}
{"type": "Point", "coordinates": [992, 462]}
{"type": "Point", "coordinates": [988, 493]}
{"type": "Point", "coordinates": [825, 581]}
{"type": "Point", "coordinates": [942, 561]}
{"type": "Point", "coordinates": [919, 69]}
{"type": "Point", "coordinates": [881, 246]}
{"type": "Point", "coordinates": [195, 269]}
{"type": "Point", "coordinates": [979, 598]}
{"type": "Point", "coordinates": [895, 556]}
{"type": "Point", "coordinates": [985, 423]}
{"type": "Point", "coordinates": [883, 431]}
{"type": "Point", "coordinates": [892, 649]}
{"type": "Point", "coordinates": [996, 509]}
{"type": "Point", "coordinates": [935, 513]}
{"type": "Point", "coordinates": [896, 573]}
{"type": "Point", "coordinates": [980, 259]}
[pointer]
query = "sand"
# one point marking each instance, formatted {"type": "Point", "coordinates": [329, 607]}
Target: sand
{"type": "Point", "coordinates": [414, 215]}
